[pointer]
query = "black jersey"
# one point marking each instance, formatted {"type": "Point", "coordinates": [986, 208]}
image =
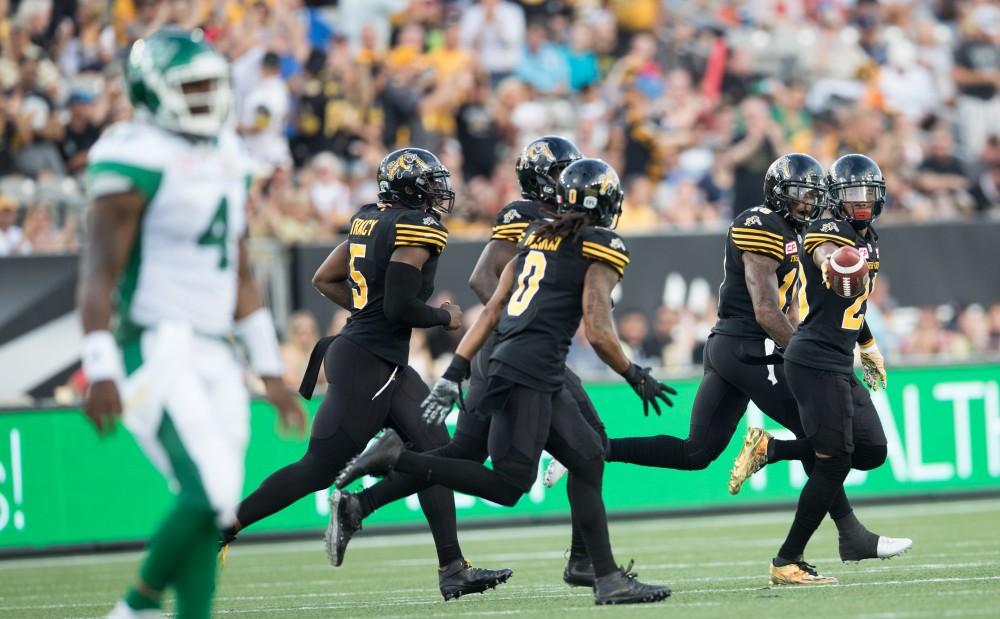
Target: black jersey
{"type": "Point", "coordinates": [513, 219]}
{"type": "Point", "coordinates": [761, 231]}
{"type": "Point", "coordinates": [545, 308]}
{"type": "Point", "coordinates": [374, 234]}
{"type": "Point", "coordinates": [829, 329]}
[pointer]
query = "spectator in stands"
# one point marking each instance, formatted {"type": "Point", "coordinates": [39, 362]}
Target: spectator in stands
{"type": "Point", "coordinates": [38, 154]}
{"type": "Point", "coordinates": [543, 66]}
{"type": "Point", "coordinates": [976, 75]}
{"type": "Point", "coordinates": [633, 329]}
{"type": "Point", "coordinates": [580, 56]}
{"type": "Point", "coordinates": [11, 235]}
{"type": "Point", "coordinates": [264, 114]}
{"type": "Point", "coordinates": [329, 193]}
{"type": "Point", "coordinates": [478, 132]}
{"type": "Point", "coordinates": [754, 147]}
{"type": "Point", "coordinates": [43, 236]}
{"type": "Point", "coordinates": [81, 131]}
{"type": "Point", "coordinates": [494, 30]}
{"type": "Point", "coordinates": [300, 336]}
{"type": "Point", "coordinates": [942, 177]}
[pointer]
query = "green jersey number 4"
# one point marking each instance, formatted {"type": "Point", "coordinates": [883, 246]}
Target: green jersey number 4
{"type": "Point", "coordinates": [217, 233]}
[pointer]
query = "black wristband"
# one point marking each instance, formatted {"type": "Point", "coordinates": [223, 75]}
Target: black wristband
{"type": "Point", "coordinates": [458, 370]}
{"type": "Point", "coordinates": [633, 374]}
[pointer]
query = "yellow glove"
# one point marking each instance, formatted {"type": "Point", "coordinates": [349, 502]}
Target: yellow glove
{"type": "Point", "coordinates": [873, 366]}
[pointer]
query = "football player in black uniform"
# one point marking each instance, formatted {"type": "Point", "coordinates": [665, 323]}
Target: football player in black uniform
{"type": "Point", "coordinates": [757, 310]}
{"type": "Point", "coordinates": [537, 168]}
{"type": "Point", "coordinates": [839, 420]}
{"type": "Point", "coordinates": [383, 273]}
{"type": "Point", "coordinates": [565, 270]}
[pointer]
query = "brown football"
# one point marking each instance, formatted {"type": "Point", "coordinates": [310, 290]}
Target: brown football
{"type": "Point", "coordinates": [848, 272]}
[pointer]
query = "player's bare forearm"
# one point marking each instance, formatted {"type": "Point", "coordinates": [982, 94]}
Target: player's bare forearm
{"type": "Point", "coordinates": [486, 274]}
{"type": "Point", "coordinates": [114, 224]}
{"type": "Point", "coordinates": [763, 287]}
{"type": "Point", "coordinates": [477, 335]}
{"type": "Point", "coordinates": [597, 321]}
{"type": "Point", "coordinates": [822, 252]}
{"type": "Point", "coordinates": [330, 278]}
{"type": "Point", "coordinates": [248, 298]}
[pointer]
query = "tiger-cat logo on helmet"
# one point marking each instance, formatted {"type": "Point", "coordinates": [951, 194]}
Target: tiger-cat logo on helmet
{"type": "Point", "coordinates": [405, 162]}
{"type": "Point", "coordinates": [539, 151]}
{"type": "Point", "coordinates": [607, 183]}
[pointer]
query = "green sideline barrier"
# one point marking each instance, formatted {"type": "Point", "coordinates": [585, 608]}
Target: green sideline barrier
{"type": "Point", "coordinates": [62, 485]}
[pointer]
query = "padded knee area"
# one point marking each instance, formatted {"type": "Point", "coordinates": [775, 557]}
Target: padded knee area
{"type": "Point", "coordinates": [834, 468]}
{"type": "Point", "coordinates": [869, 457]}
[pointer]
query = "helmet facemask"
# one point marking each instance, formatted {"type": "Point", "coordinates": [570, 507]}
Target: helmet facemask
{"type": "Point", "coordinates": [789, 194]}
{"type": "Point", "coordinates": [436, 186]}
{"type": "Point", "coordinates": [859, 202]}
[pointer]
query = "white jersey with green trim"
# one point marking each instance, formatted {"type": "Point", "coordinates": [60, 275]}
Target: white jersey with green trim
{"type": "Point", "coordinates": [183, 266]}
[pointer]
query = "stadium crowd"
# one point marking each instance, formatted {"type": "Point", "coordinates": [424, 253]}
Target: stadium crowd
{"type": "Point", "coordinates": [689, 100]}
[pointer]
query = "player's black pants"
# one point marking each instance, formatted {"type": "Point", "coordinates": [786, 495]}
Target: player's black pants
{"type": "Point", "coordinates": [524, 422]}
{"type": "Point", "coordinates": [366, 394]}
{"type": "Point", "coordinates": [729, 383]}
{"type": "Point", "coordinates": [842, 426]}
{"type": "Point", "coordinates": [470, 442]}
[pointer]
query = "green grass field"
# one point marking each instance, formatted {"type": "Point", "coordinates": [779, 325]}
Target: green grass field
{"type": "Point", "coordinates": [716, 565]}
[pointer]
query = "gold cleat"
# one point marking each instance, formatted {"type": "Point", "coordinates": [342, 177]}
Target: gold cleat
{"type": "Point", "coordinates": [800, 573]}
{"type": "Point", "coordinates": [752, 458]}
{"type": "Point", "coordinates": [223, 553]}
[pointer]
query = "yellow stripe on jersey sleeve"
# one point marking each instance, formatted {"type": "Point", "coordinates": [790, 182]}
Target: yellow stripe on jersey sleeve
{"type": "Point", "coordinates": [414, 239]}
{"type": "Point", "coordinates": [509, 232]}
{"type": "Point", "coordinates": [742, 236]}
{"type": "Point", "coordinates": [817, 238]}
{"type": "Point", "coordinates": [758, 231]}
{"type": "Point", "coordinates": [612, 254]}
{"type": "Point", "coordinates": [759, 248]}
{"type": "Point", "coordinates": [407, 228]}
{"type": "Point", "coordinates": [620, 269]}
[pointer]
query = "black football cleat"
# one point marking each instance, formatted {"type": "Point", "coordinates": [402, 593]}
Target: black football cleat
{"type": "Point", "coordinates": [620, 587]}
{"type": "Point", "coordinates": [460, 578]}
{"type": "Point", "coordinates": [345, 521]}
{"type": "Point", "coordinates": [378, 459]}
{"type": "Point", "coordinates": [579, 572]}
{"type": "Point", "coordinates": [868, 545]}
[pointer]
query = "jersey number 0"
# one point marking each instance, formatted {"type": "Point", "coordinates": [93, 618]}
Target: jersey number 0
{"type": "Point", "coordinates": [527, 283]}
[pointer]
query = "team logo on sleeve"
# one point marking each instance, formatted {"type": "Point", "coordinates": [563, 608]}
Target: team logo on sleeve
{"type": "Point", "coordinates": [753, 220]}
{"type": "Point", "coordinates": [617, 243]}
{"type": "Point", "coordinates": [429, 221]}
{"type": "Point", "coordinates": [406, 161]}
{"type": "Point", "coordinates": [511, 215]}
{"type": "Point", "coordinates": [761, 209]}
{"type": "Point", "coordinates": [828, 227]}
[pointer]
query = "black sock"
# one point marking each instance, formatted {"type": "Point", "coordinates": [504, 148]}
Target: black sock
{"type": "Point", "coordinates": [392, 488]}
{"type": "Point", "coordinates": [315, 471]}
{"type": "Point", "coordinates": [826, 480]}
{"type": "Point", "coordinates": [463, 475]}
{"type": "Point", "coordinates": [438, 505]}
{"type": "Point", "coordinates": [798, 449]}
{"type": "Point", "coordinates": [585, 495]}
{"type": "Point", "coordinates": [577, 545]}
{"type": "Point", "coordinates": [662, 451]}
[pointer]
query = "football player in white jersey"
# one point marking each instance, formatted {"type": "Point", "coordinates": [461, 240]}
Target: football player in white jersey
{"type": "Point", "coordinates": [164, 287]}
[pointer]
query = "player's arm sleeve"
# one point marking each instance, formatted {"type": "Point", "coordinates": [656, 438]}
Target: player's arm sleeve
{"type": "Point", "coordinates": [418, 229]}
{"type": "Point", "coordinates": [604, 246]}
{"type": "Point", "coordinates": [865, 336]}
{"type": "Point", "coordinates": [402, 303]}
{"type": "Point", "coordinates": [758, 234]}
{"type": "Point", "coordinates": [829, 231]}
{"type": "Point", "coordinates": [509, 225]}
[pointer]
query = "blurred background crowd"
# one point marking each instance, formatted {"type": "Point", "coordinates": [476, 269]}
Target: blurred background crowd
{"type": "Point", "coordinates": [689, 99]}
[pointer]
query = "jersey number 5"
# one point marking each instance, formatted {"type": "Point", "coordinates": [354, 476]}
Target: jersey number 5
{"type": "Point", "coordinates": [527, 283]}
{"type": "Point", "coordinates": [359, 291]}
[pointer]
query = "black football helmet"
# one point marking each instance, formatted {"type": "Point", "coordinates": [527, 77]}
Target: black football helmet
{"type": "Point", "coordinates": [415, 178]}
{"type": "Point", "coordinates": [540, 163]}
{"type": "Point", "coordinates": [856, 179]}
{"type": "Point", "coordinates": [795, 178]}
{"type": "Point", "coordinates": [591, 186]}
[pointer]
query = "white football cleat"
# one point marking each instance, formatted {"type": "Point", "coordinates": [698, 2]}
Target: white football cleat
{"type": "Point", "coordinates": [553, 473]}
{"type": "Point", "coordinates": [889, 547]}
{"type": "Point", "coordinates": [124, 611]}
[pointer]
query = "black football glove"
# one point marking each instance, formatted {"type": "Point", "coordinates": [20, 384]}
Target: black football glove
{"type": "Point", "coordinates": [648, 388]}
